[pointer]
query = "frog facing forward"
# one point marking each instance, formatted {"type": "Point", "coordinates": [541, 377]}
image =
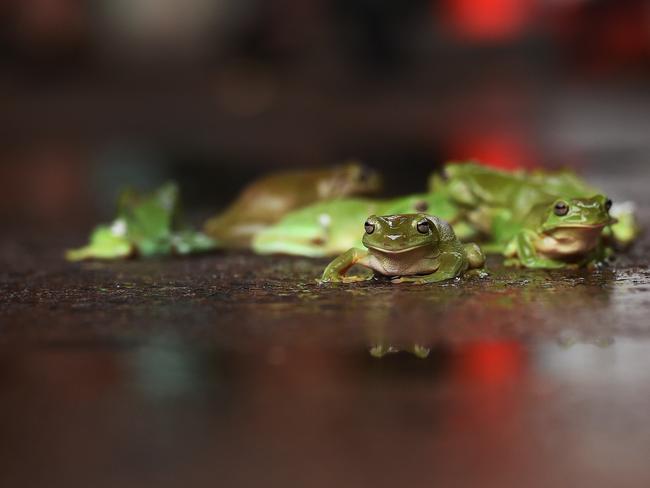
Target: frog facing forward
{"type": "Point", "coordinates": [561, 234]}
{"type": "Point", "coordinates": [331, 228]}
{"type": "Point", "coordinates": [413, 248]}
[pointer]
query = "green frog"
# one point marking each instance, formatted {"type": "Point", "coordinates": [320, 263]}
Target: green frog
{"type": "Point", "coordinates": [267, 200]}
{"type": "Point", "coordinates": [496, 203]}
{"type": "Point", "coordinates": [147, 224]}
{"type": "Point", "coordinates": [566, 232]}
{"type": "Point", "coordinates": [408, 248]}
{"type": "Point", "coordinates": [331, 228]}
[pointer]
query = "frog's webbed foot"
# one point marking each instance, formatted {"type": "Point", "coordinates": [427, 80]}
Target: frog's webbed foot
{"type": "Point", "coordinates": [522, 253]}
{"type": "Point", "coordinates": [480, 273]}
{"type": "Point", "coordinates": [355, 278]}
{"type": "Point", "coordinates": [417, 280]}
{"type": "Point", "coordinates": [335, 271]}
{"type": "Point", "coordinates": [380, 350]}
{"type": "Point", "coordinates": [535, 263]}
{"type": "Point", "coordinates": [421, 351]}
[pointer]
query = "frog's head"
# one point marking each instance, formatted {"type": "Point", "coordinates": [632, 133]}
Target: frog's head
{"type": "Point", "coordinates": [578, 213]}
{"type": "Point", "coordinates": [352, 178]}
{"type": "Point", "coordinates": [399, 233]}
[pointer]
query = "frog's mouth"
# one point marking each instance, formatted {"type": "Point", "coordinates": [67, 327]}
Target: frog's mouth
{"type": "Point", "coordinates": [395, 251]}
{"type": "Point", "coordinates": [580, 228]}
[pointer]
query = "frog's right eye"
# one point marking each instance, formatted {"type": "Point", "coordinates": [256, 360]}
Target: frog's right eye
{"type": "Point", "coordinates": [561, 209]}
{"type": "Point", "coordinates": [369, 226]}
{"type": "Point", "coordinates": [423, 227]}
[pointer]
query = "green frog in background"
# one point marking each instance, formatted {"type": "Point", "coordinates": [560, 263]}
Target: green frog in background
{"type": "Point", "coordinates": [331, 228]}
{"type": "Point", "coordinates": [498, 205]}
{"type": "Point", "coordinates": [408, 248]}
{"type": "Point", "coordinates": [265, 201]}
{"type": "Point", "coordinates": [147, 224]}
{"type": "Point", "coordinates": [562, 233]}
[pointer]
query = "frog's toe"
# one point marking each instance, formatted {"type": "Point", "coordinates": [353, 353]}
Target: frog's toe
{"type": "Point", "coordinates": [354, 279]}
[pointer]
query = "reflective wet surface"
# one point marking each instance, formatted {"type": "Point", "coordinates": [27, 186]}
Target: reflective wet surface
{"type": "Point", "coordinates": [241, 369]}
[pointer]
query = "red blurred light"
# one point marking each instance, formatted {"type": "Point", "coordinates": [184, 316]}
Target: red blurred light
{"type": "Point", "coordinates": [501, 150]}
{"type": "Point", "coordinates": [489, 19]}
{"type": "Point", "coordinates": [492, 363]}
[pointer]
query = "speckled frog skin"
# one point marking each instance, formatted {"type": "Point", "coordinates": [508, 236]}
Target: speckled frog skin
{"type": "Point", "coordinates": [265, 201]}
{"type": "Point", "coordinates": [561, 234]}
{"type": "Point", "coordinates": [414, 248]}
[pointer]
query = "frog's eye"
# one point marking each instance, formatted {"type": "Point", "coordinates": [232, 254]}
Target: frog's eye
{"type": "Point", "coordinates": [423, 227]}
{"type": "Point", "coordinates": [421, 206]}
{"type": "Point", "coordinates": [608, 204]}
{"type": "Point", "coordinates": [561, 208]}
{"type": "Point", "coordinates": [365, 174]}
{"type": "Point", "coordinates": [369, 226]}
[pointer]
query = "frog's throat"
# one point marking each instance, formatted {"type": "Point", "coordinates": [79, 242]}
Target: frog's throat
{"type": "Point", "coordinates": [601, 225]}
{"type": "Point", "coordinates": [396, 251]}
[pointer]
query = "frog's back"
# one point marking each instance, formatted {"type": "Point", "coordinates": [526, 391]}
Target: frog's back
{"type": "Point", "coordinates": [448, 239]}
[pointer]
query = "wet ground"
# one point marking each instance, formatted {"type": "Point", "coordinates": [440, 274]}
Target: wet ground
{"type": "Point", "coordinates": [239, 370]}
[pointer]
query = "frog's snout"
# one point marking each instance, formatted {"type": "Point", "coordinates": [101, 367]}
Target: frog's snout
{"type": "Point", "coordinates": [393, 237]}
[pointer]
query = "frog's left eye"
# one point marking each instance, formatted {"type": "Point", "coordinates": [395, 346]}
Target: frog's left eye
{"type": "Point", "coordinates": [608, 204]}
{"type": "Point", "coordinates": [369, 226]}
{"type": "Point", "coordinates": [561, 208]}
{"type": "Point", "coordinates": [423, 227]}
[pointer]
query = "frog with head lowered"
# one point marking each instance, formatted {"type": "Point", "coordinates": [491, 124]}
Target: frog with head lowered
{"type": "Point", "coordinates": [414, 248]}
{"type": "Point", "coordinates": [265, 201]}
{"type": "Point", "coordinates": [562, 233]}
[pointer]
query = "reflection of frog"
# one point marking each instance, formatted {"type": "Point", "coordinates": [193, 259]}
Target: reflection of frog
{"type": "Point", "coordinates": [331, 228]}
{"type": "Point", "coordinates": [562, 233]}
{"type": "Point", "coordinates": [147, 224]}
{"type": "Point", "coordinates": [381, 350]}
{"type": "Point", "coordinates": [496, 203]}
{"type": "Point", "coordinates": [267, 200]}
{"type": "Point", "coordinates": [415, 248]}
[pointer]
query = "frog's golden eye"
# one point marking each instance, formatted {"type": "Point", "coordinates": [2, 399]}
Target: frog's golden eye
{"type": "Point", "coordinates": [608, 204]}
{"type": "Point", "coordinates": [369, 226]}
{"type": "Point", "coordinates": [421, 206]}
{"type": "Point", "coordinates": [423, 227]}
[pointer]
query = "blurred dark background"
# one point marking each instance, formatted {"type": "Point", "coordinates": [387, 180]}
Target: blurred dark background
{"type": "Point", "coordinates": [98, 94]}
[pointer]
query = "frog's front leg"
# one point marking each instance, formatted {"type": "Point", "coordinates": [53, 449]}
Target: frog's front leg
{"type": "Point", "coordinates": [599, 257]}
{"type": "Point", "coordinates": [450, 266]}
{"type": "Point", "coordinates": [522, 252]}
{"type": "Point", "coordinates": [335, 271]}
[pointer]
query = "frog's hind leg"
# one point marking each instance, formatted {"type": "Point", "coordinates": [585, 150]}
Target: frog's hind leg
{"type": "Point", "coordinates": [475, 256]}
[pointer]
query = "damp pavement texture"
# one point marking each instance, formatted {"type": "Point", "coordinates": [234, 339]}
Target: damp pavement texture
{"type": "Point", "coordinates": [239, 370]}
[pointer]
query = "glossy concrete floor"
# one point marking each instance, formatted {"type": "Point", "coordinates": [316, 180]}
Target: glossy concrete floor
{"type": "Point", "coordinates": [237, 370]}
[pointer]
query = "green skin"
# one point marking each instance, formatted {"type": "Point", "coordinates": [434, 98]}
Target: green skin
{"type": "Point", "coordinates": [146, 225]}
{"type": "Point", "coordinates": [496, 203]}
{"type": "Point", "coordinates": [408, 248]}
{"type": "Point", "coordinates": [564, 233]}
{"type": "Point", "coordinates": [331, 228]}
{"type": "Point", "coordinates": [265, 201]}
